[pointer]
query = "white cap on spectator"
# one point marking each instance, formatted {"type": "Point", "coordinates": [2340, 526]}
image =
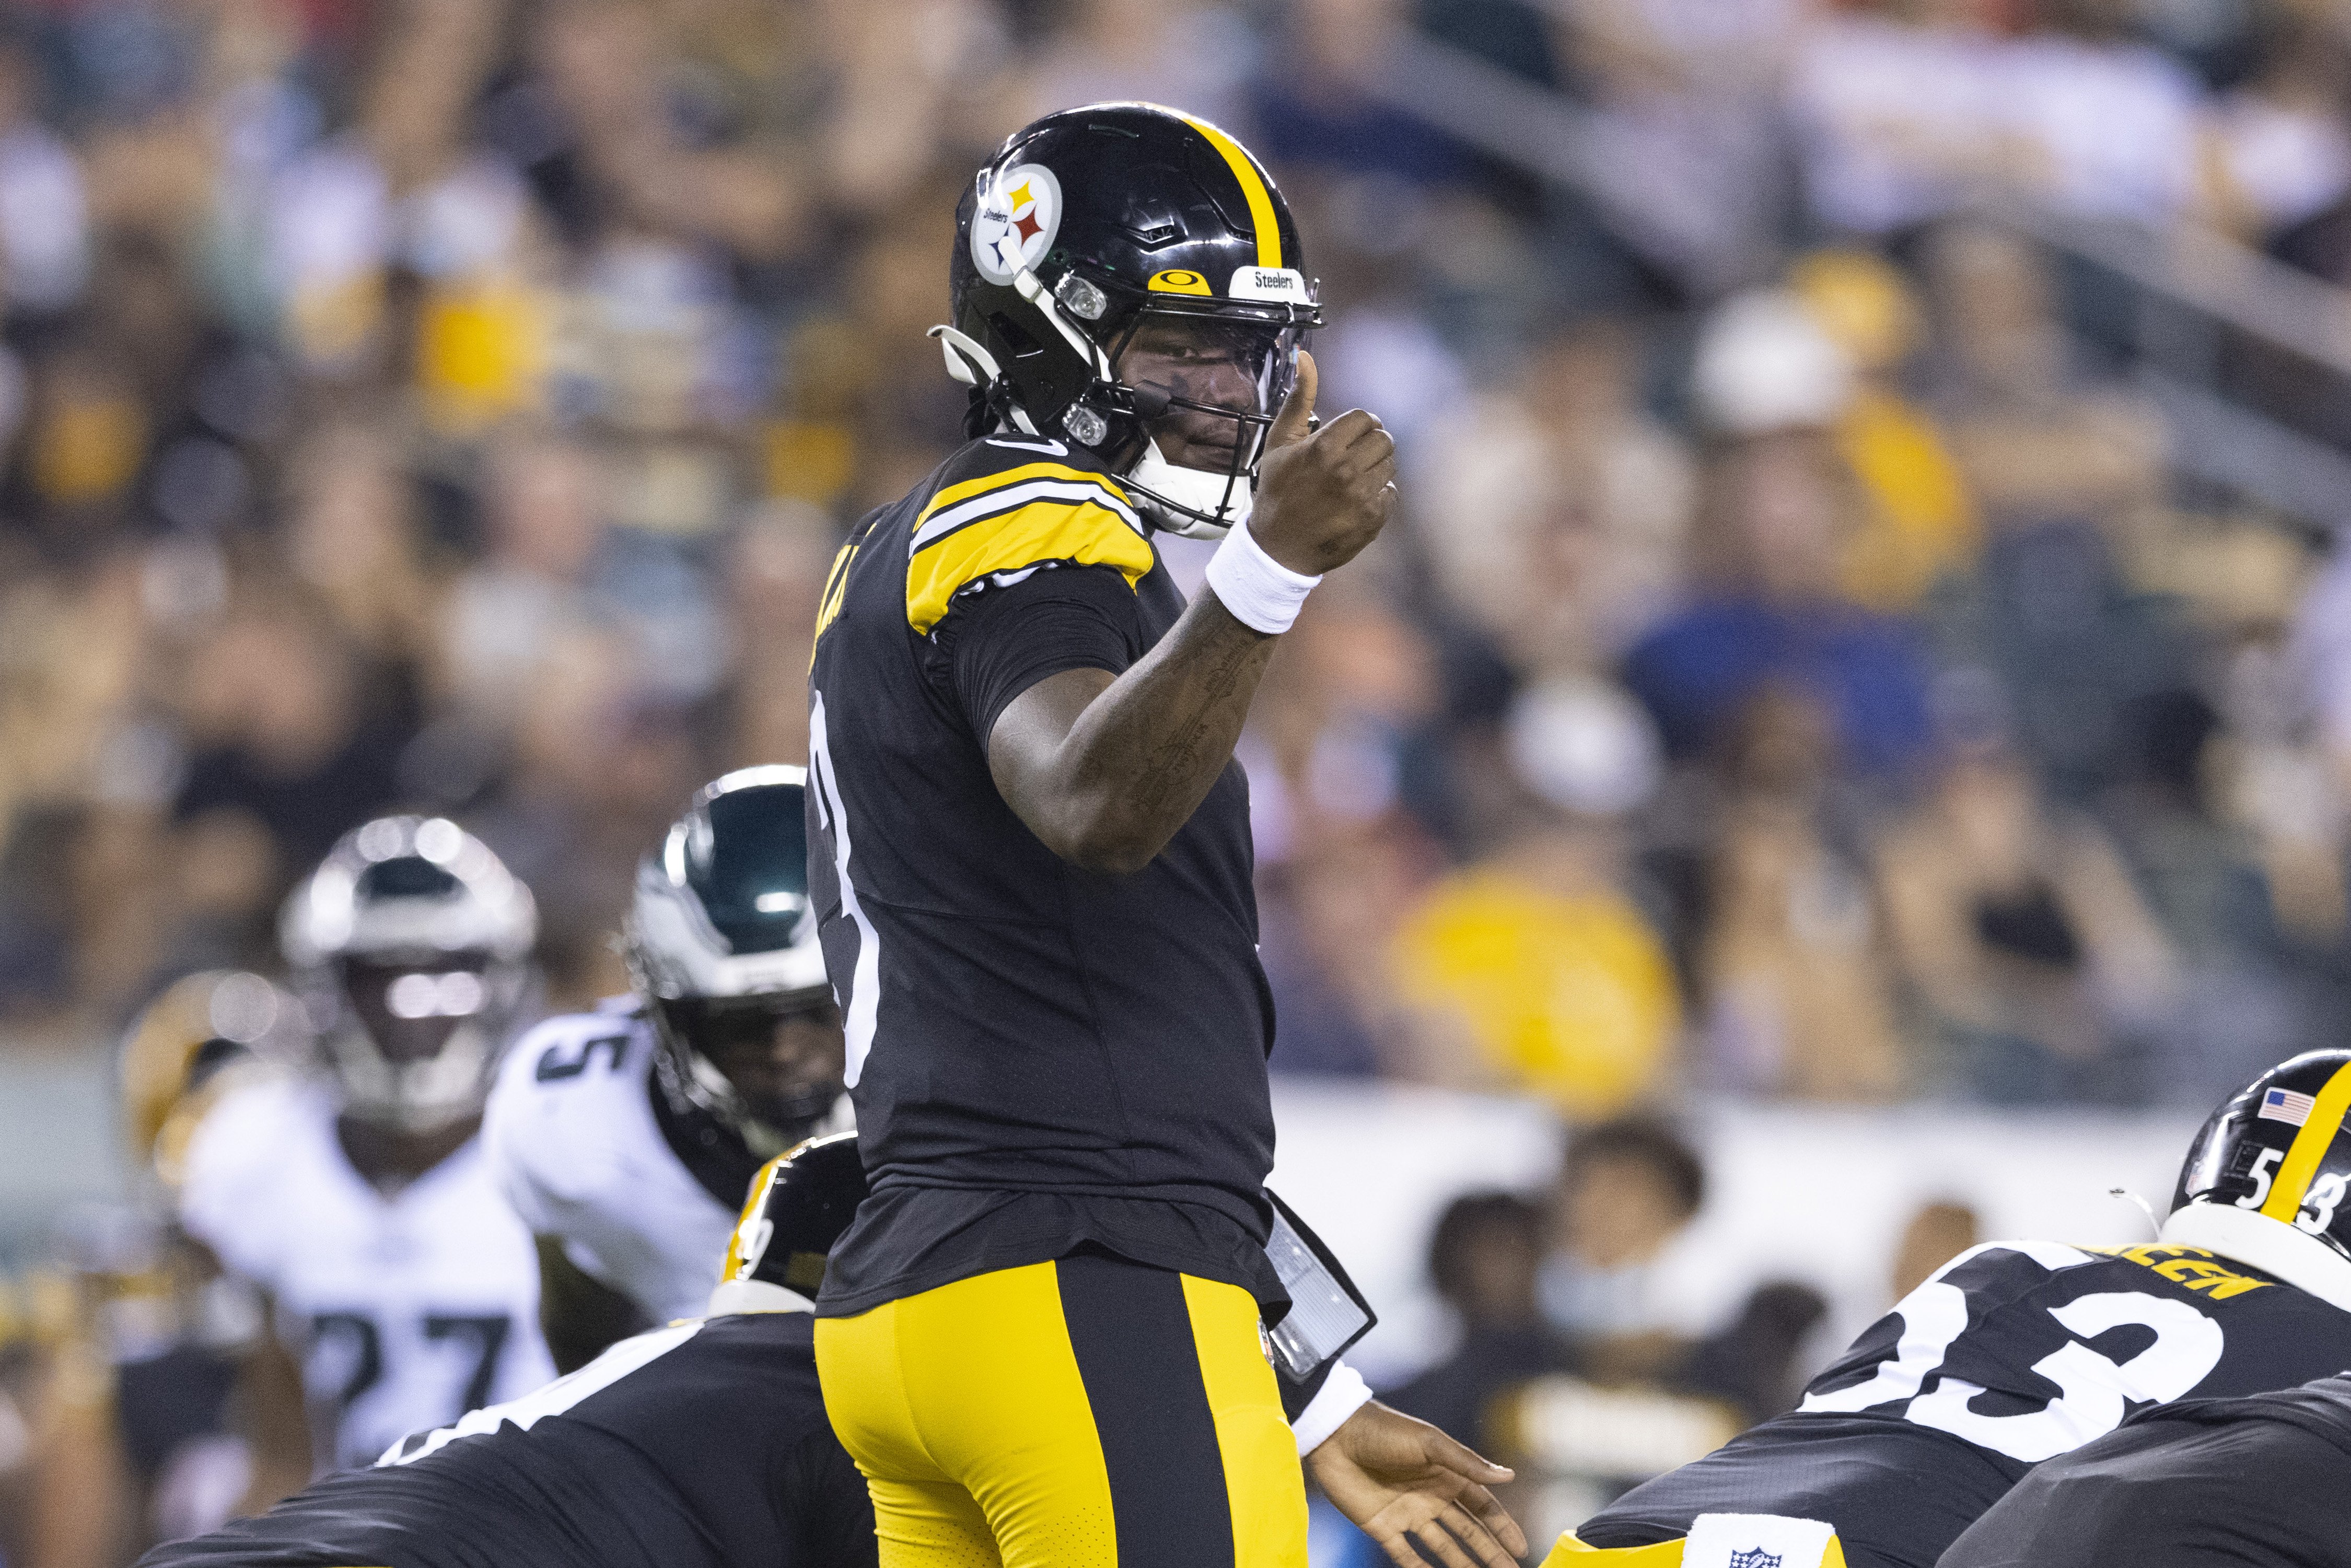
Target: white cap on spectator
{"type": "Point", "coordinates": [1765, 363]}
{"type": "Point", "coordinates": [1584, 746]}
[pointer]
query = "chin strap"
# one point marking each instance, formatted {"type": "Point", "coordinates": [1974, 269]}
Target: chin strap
{"type": "Point", "coordinates": [1189, 502]}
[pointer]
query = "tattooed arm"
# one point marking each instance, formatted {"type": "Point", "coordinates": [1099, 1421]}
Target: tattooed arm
{"type": "Point", "coordinates": [1106, 769]}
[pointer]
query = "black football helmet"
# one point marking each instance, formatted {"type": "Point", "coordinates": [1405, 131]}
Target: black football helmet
{"type": "Point", "coordinates": [801, 1202]}
{"type": "Point", "coordinates": [1096, 224]}
{"type": "Point", "coordinates": [721, 945]}
{"type": "Point", "coordinates": [2266, 1180]}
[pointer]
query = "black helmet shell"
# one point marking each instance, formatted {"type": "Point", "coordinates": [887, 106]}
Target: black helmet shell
{"type": "Point", "coordinates": [800, 1204]}
{"type": "Point", "coordinates": [2276, 1150]}
{"type": "Point", "coordinates": [1085, 222]}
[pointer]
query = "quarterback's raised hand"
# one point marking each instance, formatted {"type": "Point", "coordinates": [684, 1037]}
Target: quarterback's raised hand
{"type": "Point", "coordinates": [1323, 494]}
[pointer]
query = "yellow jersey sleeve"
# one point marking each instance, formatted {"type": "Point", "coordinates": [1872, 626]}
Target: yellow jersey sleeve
{"type": "Point", "coordinates": [1019, 517]}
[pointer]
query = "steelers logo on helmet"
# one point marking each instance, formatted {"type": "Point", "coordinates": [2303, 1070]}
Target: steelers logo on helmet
{"type": "Point", "coordinates": [1019, 214]}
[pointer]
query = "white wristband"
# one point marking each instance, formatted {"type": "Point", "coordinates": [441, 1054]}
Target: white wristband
{"type": "Point", "coordinates": [1342, 1393]}
{"type": "Point", "coordinates": [1262, 594]}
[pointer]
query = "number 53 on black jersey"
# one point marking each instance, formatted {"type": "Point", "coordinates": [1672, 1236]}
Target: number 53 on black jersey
{"type": "Point", "coordinates": [2013, 1354]}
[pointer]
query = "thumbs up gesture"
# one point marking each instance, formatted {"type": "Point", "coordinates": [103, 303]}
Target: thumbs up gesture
{"type": "Point", "coordinates": [1322, 493]}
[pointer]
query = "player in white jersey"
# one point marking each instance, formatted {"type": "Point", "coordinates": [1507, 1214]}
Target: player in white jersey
{"type": "Point", "coordinates": [351, 1189]}
{"type": "Point", "coordinates": [627, 1137]}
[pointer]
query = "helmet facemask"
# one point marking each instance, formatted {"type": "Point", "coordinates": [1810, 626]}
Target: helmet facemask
{"type": "Point", "coordinates": [769, 1066]}
{"type": "Point", "coordinates": [411, 947]}
{"type": "Point", "coordinates": [417, 1037]}
{"type": "Point", "coordinates": [1200, 391]}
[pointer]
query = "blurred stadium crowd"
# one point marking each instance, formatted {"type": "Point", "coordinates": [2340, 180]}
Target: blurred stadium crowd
{"type": "Point", "coordinates": [1814, 686]}
{"type": "Point", "coordinates": [1798, 670]}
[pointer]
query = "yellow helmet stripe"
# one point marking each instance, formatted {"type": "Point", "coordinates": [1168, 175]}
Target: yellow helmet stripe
{"type": "Point", "coordinates": [742, 1251]}
{"type": "Point", "coordinates": [1253, 186]}
{"type": "Point", "coordinates": [2310, 1147]}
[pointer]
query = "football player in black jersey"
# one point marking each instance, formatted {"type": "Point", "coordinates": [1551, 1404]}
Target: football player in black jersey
{"type": "Point", "coordinates": [2017, 1352]}
{"type": "Point", "coordinates": [1031, 861]}
{"type": "Point", "coordinates": [2261, 1482]}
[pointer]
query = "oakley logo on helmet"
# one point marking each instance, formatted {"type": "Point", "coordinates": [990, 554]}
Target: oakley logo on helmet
{"type": "Point", "coordinates": [1177, 281]}
{"type": "Point", "coordinates": [1019, 216]}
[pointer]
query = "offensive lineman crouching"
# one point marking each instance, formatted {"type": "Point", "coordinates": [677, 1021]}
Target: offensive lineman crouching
{"type": "Point", "coordinates": [704, 1444]}
{"type": "Point", "coordinates": [2017, 1352]}
{"type": "Point", "coordinates": [2264, 1482]}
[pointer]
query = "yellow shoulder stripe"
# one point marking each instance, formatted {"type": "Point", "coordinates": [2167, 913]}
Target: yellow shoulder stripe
{"type": "Point", "coordinates": [1090, 532]}
{"type": "Point", "coordinates": [1253, 186]}
{"type": "Point", "coordinates": [1005, 479]}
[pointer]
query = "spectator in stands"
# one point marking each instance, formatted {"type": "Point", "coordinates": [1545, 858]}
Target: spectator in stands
{"type": "Point", "coordinates": [1937, 1233]}
{"type": "Point", "coordinates": [1895, 105]}
{"type": "Point", "coordinates": [1558, 509]}
{"type": "Point", "coordinates": [545, 501]}
{"type": "Point", "coordinates": [1918, 528]}
{"type": "Point", "coordinates": [288, 727]}
{"type": "Point", "coordinates": [1534, 967]}
{"type": "Point", "coordinates": [1320, 106]}
{"type": "Point", "coordinates": [2104, 125]}
{"type": "Point", "coordinates": [1483, 1261]}
{"type": "Point", "coordinates": [2035, 440]}
{"type": "Point", "coordinates": [1628, 1188]}
{"type": "Point", "coordinates": [1784, 940]}
{"type": "Point", "coordinates": [1679, 129]}
{"type": "Point", "coordinates": [2022, 935]}
{"type": "Point", "coordinates": [1770, 608]}
{"type": "Point", "coordinates": [352, 538]}
{"type": "Point", "coordinates": [2284, 150]}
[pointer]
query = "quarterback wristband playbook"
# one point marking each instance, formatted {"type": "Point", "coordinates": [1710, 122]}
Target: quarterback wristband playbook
{"type": "Point", "coordinates": [1263, 594]}
{"type": "Point", "coordinates": [1327, 1314]}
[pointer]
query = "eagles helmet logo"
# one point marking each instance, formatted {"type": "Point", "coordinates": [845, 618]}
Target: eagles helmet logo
{"type": "Point", "coordinates": [1017, 217]}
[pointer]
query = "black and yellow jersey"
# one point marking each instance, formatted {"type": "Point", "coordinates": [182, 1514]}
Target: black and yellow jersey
{"type": "Point", "coordinates": [1041, 1058]}
{"type": "Point", "coordinates": [2208, 1484]}
{"type": "Point", "coordinates": [701, 1444]}
{"type": "Point", "coordinates": [2014, 1354]}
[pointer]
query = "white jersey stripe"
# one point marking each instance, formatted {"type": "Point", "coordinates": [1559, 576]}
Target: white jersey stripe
{"type": "Point", "coordinates": [1017, 495]}
{"type": "Point", "coordinates": [555, 1398]}
{"type": "Point", "coordinates": [866, 982]}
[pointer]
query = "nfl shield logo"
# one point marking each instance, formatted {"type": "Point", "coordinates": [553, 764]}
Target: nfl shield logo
{"type": "Point", "coordinates": [1758, 1558]}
